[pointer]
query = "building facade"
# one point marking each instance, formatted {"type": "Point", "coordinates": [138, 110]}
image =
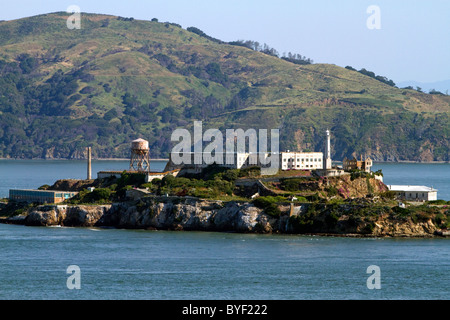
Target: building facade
{"type": "Point", "coordinates": [40, 196]}
{"type": "Point", "coordinates": [414, 193]}
{"type": "Point", "coordinates": [355, 164]}
{"type": "Point", "coordinates": [196, 162]}
{"type": "Point", "coordinates": [301, 160]}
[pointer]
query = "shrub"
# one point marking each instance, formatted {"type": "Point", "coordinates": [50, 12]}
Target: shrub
{"type": "Point", "coordinates": [313, 198]}
{"type": "Point", "coordinates": [294, 184]}
{"type": "Point", "coordinates": [147, 185]}
{"type": "Point", "coordinates": [130, 179]}
{"type": "Point", "coordinates": [401, 211]}
{"type": "Point", "coordinates": [268, 204]}
{"type": "Point", "coordinates": [439, 202]}
{"type": "Point", "coordinates": [331, 219]}
{"type": "Point", "coordinates": [440, 220]}
{"type": "Point", "coordinates": [369, 185]}
{"type": "Point", "coordinates": [332, 191]}
{"type": "Point", "coordinates": [231, 175]}
{"type": "Point", "coordinates": [388, 195]}
{"type": "Point", "coordinates": [99, 194]}
{"type": "Point", "coordinates": [202, 34]}
{"type": "Point", "coordinates": [301, 199]}
{"type": "Point", "coordinates": [304, 224]}
{"type": "Point", "coordinates": [252, 172]}
{"type": "Point", "coordinates": [368, 229]}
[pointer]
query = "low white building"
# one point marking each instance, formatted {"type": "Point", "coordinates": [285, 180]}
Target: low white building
{"type": "Point", "coordinates": [414, 193]}
{"type": "Point", "coordinates": [149, 176]}
{"type": "Point", "coordinates": [301, 160]}
{"type": "Point", "coordinates": [198, 161]}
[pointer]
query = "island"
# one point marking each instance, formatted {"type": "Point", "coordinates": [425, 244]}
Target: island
{"type": "Point", "coordinates": [219, 199]}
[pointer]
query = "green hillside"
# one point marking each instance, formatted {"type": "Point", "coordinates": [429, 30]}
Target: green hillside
{"type": "Point", "coordinates": [119, 79]}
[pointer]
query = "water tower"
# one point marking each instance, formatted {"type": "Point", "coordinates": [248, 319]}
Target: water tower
{"type": "Point", "coordinates": [140, 156]}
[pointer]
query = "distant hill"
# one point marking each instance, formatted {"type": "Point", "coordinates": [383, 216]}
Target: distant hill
{"type": "Point", "coordinates": [118, 79]}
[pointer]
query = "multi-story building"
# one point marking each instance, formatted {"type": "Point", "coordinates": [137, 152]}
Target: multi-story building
{"type": "Point", "coordinates": [355, 164]}
{"type": "Point", "coordinates": [301, 160]}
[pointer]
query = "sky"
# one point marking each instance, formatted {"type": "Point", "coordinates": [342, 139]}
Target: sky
{"type": "Point", "coordinates": [411, 40]}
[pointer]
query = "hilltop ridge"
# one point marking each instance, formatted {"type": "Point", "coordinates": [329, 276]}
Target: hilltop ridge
{"type": "Point", "coordinates": [119, 78]}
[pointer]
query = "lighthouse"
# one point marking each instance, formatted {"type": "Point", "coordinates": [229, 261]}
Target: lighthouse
{"type": "Point", "coordinates": [327, 154]}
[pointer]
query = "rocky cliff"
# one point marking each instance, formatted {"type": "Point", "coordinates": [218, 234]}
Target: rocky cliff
{"type": "Point", "coordinates": [170, 214]}
{"type": "Point", "coordinates": [71, 216]}
{"type": "Point", "coordinates": [207, 215]}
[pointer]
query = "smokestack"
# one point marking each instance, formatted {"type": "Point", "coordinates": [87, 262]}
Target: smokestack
{"type": "Point", "coordinates": [89, 166]}
{"type": "Point", "coordinates": [327, 163]}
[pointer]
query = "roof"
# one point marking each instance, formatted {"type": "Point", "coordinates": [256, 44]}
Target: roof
{"type": "Point", "coordinates": [41, 190]}
{"type": "Point", "coordinates": [138, 172]}
{"type": "Point", "coordinates": [411, 188]}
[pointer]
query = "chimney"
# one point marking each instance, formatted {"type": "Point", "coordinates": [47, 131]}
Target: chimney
{"type": "Point", "coordinates": [89, 165]}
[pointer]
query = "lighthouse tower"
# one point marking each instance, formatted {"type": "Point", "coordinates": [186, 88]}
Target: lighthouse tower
{"type": "Point", "coordinates": [327, 154]}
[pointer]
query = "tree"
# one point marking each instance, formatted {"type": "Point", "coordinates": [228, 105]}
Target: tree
{"type": "Point", "coordinates": [433, 91]}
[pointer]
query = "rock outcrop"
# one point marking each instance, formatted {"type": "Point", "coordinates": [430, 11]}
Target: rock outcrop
{"type": "Point", "coordinates": [199, 215]}
{"type": "Point", "coordinates": [404, 228]}
{"type": "Point", "coordinates": [190, 214]}
{"type": "Point", "coordinates": [73, 216]}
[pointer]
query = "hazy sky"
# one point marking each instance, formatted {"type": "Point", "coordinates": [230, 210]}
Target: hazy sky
{"type": "Point", "coordinates": [412, 44]}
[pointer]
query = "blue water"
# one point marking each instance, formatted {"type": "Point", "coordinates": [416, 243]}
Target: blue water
{"type": "Point", "coordinates": [127, 264]}
{"type": "Point", "coordinates": [31, 174]}
{"type": "Point", "coordinates": [121, 264]}
{"type": "Point", "coordinates": [436, 175]}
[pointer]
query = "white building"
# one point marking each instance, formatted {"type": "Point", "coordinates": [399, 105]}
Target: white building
{"type": "Point", "coordinates": [198, 161]}
{"type": "Point", "coordinates": [414, 193]}
{"type": "Point", "coordinates": [301, 160]}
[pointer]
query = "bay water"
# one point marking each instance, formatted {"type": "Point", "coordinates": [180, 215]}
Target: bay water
{"type": "Point", "coordinates": [163, 265]}
{"type": "Point", "coordinates": [140, 264]}
{"type": "Point", "coordinates": [31, 174]}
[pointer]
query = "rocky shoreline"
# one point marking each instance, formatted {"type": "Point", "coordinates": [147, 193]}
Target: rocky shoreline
{"type": "Point", "coordinates": [175, 213]}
